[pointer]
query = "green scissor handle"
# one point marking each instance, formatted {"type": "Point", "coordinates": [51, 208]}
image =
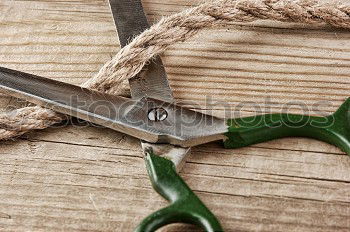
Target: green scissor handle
{"type": "Point", "coordinates": [185, 206]}
{"type": "Point", "coordinates": [333, 129]}
{"type": "Point", "coordinates": [188, 208]}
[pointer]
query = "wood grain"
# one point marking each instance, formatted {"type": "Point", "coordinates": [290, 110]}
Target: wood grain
{"type": "Point", "coordinates": [84, 178]}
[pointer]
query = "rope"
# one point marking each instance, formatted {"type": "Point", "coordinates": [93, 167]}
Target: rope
{"type": "Point", "coordinates": [129, 61]}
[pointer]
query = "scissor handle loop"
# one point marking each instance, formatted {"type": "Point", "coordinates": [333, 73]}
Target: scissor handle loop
{"type": "Point", "coordinates": [333, 129]}
{"type": "Point", "coordinates": [185, 206]}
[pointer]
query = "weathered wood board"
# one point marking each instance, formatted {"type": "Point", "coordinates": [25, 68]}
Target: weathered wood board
{"type": "Point", "coordinates": [80, 178]}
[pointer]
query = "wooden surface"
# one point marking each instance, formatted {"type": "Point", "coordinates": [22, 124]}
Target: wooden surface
{"type": "Point", "coordinates": [82, 178]}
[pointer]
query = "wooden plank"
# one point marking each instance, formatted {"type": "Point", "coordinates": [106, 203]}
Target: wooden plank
{"type": "Point", "coordinates": [83, 178]}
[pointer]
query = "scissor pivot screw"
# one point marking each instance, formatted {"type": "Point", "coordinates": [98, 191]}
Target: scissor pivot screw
{"type": "Point", "coordinates": [157, 114]}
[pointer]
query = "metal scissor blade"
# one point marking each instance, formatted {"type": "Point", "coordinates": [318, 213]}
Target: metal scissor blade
{"type": "Point", "coordinates": [130, 21]}
{"type": "Point", "coordinates": [106, 110]}
{"type": "Point", "coordinates": [122, 114]}
{"type": "Point", "coordinates": [174, 153]}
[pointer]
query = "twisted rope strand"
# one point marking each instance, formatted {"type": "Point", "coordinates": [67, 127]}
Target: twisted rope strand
{"type": "Point", "coordinates": [129, 61]}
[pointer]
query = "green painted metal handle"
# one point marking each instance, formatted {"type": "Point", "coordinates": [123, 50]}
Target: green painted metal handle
{"type": "Point", "coordinates": [333, 129]}
{"type": "Point", "coordinates": [185, 206]}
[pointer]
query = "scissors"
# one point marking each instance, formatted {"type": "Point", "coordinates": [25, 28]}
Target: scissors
{"type": "Point", "coordinates": [166, 130]}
